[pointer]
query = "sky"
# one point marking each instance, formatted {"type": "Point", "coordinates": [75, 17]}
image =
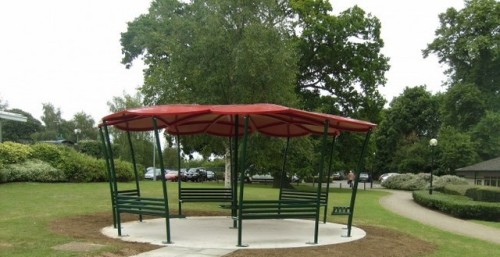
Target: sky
{"type": "Point", "coordinates": [68, 53]}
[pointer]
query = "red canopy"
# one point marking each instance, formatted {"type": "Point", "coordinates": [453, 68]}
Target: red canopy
{"type": "Point", "coordinates": [220, 120]}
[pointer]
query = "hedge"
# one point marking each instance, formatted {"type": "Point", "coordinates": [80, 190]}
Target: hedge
{"type": "Point", "coordinates": [485, 194]}
{"type": "Point", "coordinates": [458, 206]}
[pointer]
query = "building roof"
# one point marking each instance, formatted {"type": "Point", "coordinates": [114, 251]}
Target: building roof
{"type": "Point", "coordinates": [489, 165]}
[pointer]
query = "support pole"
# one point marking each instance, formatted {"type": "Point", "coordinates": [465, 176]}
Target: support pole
{"type": "Point", "coordinates": [108, 168]}
{"type": "Point", "coordinates": [132, 155]}
{"type": "Point", "coordinates": [361, 164]}
{"type": "Point", "coordinates": [163, 182]}
{"type": "Point", "coordinates": [320, 180]}
{"type": "Point", "coordinates": [242, 182]}
{"type": "Point", "coordinates": [330, 163]}
{"type": "Point", "coordinates": [179, 178]}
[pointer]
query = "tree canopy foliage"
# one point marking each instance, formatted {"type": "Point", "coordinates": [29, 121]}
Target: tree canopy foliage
{"type": "Point", "coordinates": [464, 118]}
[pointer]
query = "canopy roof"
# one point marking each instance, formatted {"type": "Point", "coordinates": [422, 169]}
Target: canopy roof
{"type": "Point", "coordinates": [220, 120]}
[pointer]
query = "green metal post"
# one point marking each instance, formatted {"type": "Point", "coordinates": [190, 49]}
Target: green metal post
{"type": "Point", "coordinates": [320, 180]}
{"type": "Point", "coordinates": [164, 184]}
{"type": "Point", "coordinates": [179, 174]}
{"type": "Point", "coordinates": [242, 182]}
{"type": "Point", "coordinates": [113, 177]}
{"type": "Point", "coordinates": [361, 164]}
{"type": "Point", "coordinates": [234, 171]}
{"type": "Point", "coordinates": [330, 163]}
{"type": "Point", "coordinates": [283, 168]}
{"type": "Point", "coordinates": [108, 168]}
{"type": "Point", "coordinates": [132, 155]}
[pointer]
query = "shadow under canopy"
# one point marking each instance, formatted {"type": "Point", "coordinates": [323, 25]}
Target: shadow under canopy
{"type": "Point", "coordinates": [234, 121]}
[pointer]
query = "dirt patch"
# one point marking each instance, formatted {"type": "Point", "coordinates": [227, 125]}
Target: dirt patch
{"type": "Point", "coordinates": [378, 242]}
{"type": "Point", "coordinates": [78, 247]}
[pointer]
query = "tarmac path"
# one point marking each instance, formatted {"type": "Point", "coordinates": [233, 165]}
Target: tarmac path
{"type": "Point", "coordinates": [401, 202]}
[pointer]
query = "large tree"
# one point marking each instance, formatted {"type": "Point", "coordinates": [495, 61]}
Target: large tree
{"type": "Point", "coordinates": [216, 52]}
{"type": "Point", "coordinates": [20, 131]}
{"type": "Point", "coordinates": [141, 141]}
{"type": "Point", "coordinates": [340, 59]}
{"type": "Point", "coordinates": [468, 41]}
{"type": "Point", "coordinates": [413, 117]}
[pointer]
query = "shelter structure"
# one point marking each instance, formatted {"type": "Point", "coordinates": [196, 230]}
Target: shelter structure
{"type": "Point", "coordinates": [485, 173]}
{"type": "Point", "coordinates": [236, 122]}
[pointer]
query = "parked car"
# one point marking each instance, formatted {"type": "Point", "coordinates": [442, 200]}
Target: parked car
{"type": "Point", "coordinates": [385, 176]}
{"type": "Point", "coordinates": [211, 175]}
{"type": "Point", "coordinates": [152, 173]}
{"type": "Point", "coordinates": [364, 177]}
{"type": "Point", "coordinates": [196, 175]}
{"type": "Point", "coordinates": [259, 178]}
{"type": "Point", "coordinates": [337, 176]}
{"type": "Point", "coordinates": [172, 175]}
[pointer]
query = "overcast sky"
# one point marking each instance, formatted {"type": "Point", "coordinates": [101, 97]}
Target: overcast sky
{"type": "Point", "coordinates": [68, 53]}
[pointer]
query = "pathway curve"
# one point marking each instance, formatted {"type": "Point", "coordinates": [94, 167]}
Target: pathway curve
{"type": "Point", "coordinates": [401, 202]}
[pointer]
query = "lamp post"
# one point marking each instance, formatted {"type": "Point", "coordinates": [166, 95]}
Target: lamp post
{"type": "Point", "coordinates": [432, 143]}
{"type": "Point", "coordinates": [77, 131]}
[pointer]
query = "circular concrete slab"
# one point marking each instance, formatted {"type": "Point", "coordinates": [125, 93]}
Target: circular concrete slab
{"type": "Point", "coordinates": [217, 232]}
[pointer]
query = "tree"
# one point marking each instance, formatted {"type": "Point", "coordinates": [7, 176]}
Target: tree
{"type": "Point", "coordinates": [215, 52]}
{"type": "Point", "coordinates": [141, 141]}
{"type": "Point", "coordinates": [86, 126]}
{"type": "Point", "coordinates": [20, 131]}
{"type": "Point", "coordinates": [486, 136]}
{"type": "Point", "coordinates": [463, 106]}
{"type": "Point", "coordinates": [340, 58]}
{"type": "Point", "coordinates": [412, 117]}
{"type": "Point", "coordinates": [456, 150]}
{"type": "Point", "coordinates": [468, 41]}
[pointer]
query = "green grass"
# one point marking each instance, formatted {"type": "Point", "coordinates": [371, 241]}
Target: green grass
{"type": "Point", "coordinates": [26, 210]}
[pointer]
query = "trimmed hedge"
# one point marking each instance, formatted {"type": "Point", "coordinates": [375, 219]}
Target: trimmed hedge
{"type": "Point", "coordinates": [458, 206]}
{"type": "Point", "coordinates": [455, 189]}
{"type": "Point", "coordinates": [485, 194]}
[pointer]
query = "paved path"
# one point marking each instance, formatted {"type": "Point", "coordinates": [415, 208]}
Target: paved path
{"type": "Point", "coordinates": [401, 202]}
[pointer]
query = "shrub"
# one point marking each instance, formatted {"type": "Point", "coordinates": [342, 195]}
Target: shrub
{"type": "Point", "coordinates": [80, 167]}
{"type": "Point", "coordinates": [50, 153]}
{"type": "Point", "coordinates": [406, 181]}
{"type": "Point", "coordinates": [91, 147]}
{"type": "Point", "coordinates": [11, 152]}
{"type": "Point", "coordinates": [440, 182]}
{"type": "Point", "coordinates": [31, 171]}
{"type": "Point", "coordinates": [459, 206]}
{"type": "Point", "coordinates": [124, 170]}
{"type": "Point", "coordinates": [486, 194]}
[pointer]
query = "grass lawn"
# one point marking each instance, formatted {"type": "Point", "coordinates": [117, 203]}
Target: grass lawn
{"type": "Point", "coordinates": [27, 209]}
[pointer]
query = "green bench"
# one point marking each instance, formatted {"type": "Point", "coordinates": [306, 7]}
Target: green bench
{"type": "Point", "coordinates": [291, 194]}
{"type": "Point", "coordinates": [341, 210]}
{"type": "Point", "coordinates": [205, 195]}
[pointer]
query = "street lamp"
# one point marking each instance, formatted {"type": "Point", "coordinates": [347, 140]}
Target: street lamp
{"type": "Point", "coordinates": [77, 131]}
{"type": "Point", "coordinates": [432, 143]}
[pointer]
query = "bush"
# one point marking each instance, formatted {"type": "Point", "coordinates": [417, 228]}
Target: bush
{"type": "Point", "coordinates": [442, 181]}
{"type": "Point", "coordinates": [406, 181]}
{"type": "Point", "coordinates": [91, 147]}
{"type": "Point", "coordinates": [459, 206]}
{"type": "Point", "coordinates": [80, 167]}
{"type": "Point", "coordinates": [485, 194]}
{"type": "Point", "coordinates": [11, 152]}
{"type": "Point", "coordinates": [31, 171]}
{"type": "Point", "coordinates": [49, 153]}
{"type": "Point", "coordinates": [124, 171]}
